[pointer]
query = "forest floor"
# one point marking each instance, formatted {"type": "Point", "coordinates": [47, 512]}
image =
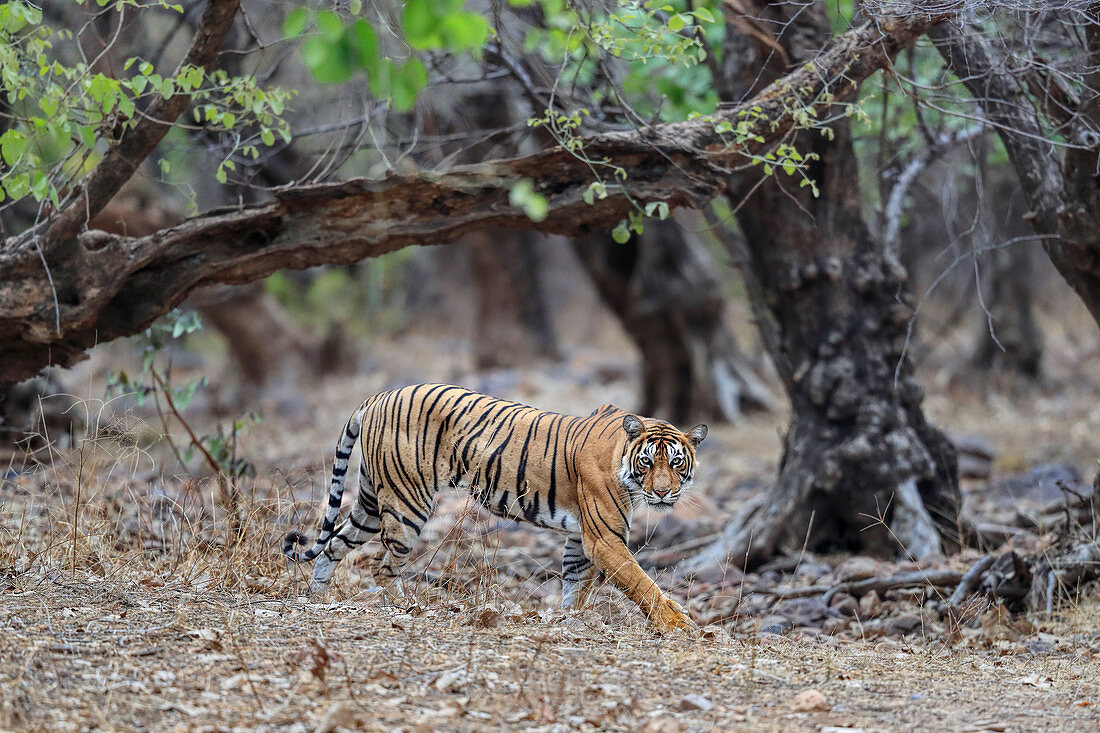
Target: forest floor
{"type": "Point", "coordinates": [123, 605]}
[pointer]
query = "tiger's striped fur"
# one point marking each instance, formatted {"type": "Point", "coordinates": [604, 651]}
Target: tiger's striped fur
{"type": "Point", "coordinates": [582, 476]}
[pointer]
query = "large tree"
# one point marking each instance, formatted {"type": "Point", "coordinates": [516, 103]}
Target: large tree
{"type": "Point", "coordinates": [861, 468]}
{"type": "Point", "coordinates": [64, 288]}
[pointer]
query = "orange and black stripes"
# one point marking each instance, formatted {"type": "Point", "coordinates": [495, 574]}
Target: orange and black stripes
{"type": "Point", "coordinates": [516, 461]}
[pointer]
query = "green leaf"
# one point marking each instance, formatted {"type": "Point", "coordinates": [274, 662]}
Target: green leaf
{"type": "Point", "coordinates": [534, 204]}
{"type": "Point", "coordinates": [464, 31]}
{"type": "Point", "coordinates": [676, 22]}
{"type": "Point", "coordinates": [704, 15]}
{"type": "Point", "coordinates": [421, 24]}
{"type": "Point", "coordinates": [658, 209]}
{"type": "Point", "coordinates": [621, 233]}
{"type": "Point", "coordinates": [365, 44]}
{"type": "Point", "coordinates": [330, 25]}
{"type": "Point", "coordinates": [295, 22]}
{"type": "Point", "coordinates": [406, 83]}
{"type": "Point", "coordinates": [267, 136]}
{"type": "Point", "coordinates": [40, 188]}
{"type": "Point", "coordinates": [12, 145]}
{"type": "Point", "coordinates": [328, 61]}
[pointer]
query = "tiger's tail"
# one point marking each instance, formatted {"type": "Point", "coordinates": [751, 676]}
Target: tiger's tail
{"type": "Point", "coordinates": [335, 495]}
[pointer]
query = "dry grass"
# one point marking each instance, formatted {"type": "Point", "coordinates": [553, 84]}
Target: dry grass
{"type": "Point", "coordinates": [125, 605]}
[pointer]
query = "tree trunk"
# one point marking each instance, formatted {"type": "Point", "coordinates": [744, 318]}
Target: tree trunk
{"type": "Point", "coordinates": [663, 288]}
{"type": "Point", "coordinates": [862, 469]}
{"type": "Point", "coordinates": [513, 326]}
{"type": "Point", "coordinates": [266, 345]}
{"type": "Point", "coordinates": [1009, 339]}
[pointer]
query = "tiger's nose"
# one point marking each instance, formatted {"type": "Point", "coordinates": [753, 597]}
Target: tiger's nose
{"type": "Point", "coordinates": [661, 493]}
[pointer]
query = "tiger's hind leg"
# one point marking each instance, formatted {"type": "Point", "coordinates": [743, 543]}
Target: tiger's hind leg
{"type": "Point", "coordinates": [362, 524]}
{"type": "Point", "coordinates": [577, 573]}
{"type": "Point", "coordinates": [399, 534]}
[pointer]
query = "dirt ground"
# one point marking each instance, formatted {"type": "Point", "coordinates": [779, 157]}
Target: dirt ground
{"type": "Point", "coordinates": [86, 653]}
{"type": "Point", "coordinates": [124, 607]}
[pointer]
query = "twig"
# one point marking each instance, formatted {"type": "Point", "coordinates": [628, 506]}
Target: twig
{"type": "Point", "coordinates": [970, 581]}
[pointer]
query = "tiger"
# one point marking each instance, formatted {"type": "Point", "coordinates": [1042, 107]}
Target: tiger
{"type": "Point", "coordinates": [580, 476]}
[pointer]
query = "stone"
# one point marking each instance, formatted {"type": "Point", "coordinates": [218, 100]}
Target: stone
{"type": "Point", "coordinates": [695, 701]}
{"type": "Point", "coordinates": [775, 625]}
{"type": "Point", "coordinates": [809, 701]}
{"type": "Point", "coordinates": [845, 605]}
{"type": "Point", "coordinates": [803, 611]}
{"type": "Point", "coordinates": [870, 605]}
{"type": "Point", "coordinates": [858, 568]}
{"type": "Point", "coordinates": [905, 623]}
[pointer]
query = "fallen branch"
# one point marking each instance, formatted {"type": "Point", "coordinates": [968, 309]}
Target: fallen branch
{"type": "Point", "coordinates": [916, 578]}
{"type": "Point", "coordinates": [970, 581]}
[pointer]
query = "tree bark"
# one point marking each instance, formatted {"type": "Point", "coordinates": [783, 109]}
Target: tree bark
{"type": "Point", "coordinates": [99, 287]}
{"type": "Point", "coordinates": [663, 288]}
{"type": "Point", "coordinates": [862, 469]}
{"type": "Point", "coordinates": [513, 326]}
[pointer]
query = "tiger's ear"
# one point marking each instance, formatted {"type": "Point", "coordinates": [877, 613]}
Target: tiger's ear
{"type": "Point", "coordinates": [696, 434]}
{"type": "Point", "coordinates": [633, 426]}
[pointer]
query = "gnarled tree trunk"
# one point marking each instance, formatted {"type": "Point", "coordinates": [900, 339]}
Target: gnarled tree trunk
{"type": "Point", "coordinates": [861, 468]}
{"type": "Point", "coordinates": [663, 288]}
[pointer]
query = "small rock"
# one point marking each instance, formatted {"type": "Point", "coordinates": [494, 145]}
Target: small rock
{"type": "Point", "coordinates": [845, 604]}
{"type": "Point", "coordinates": [809, 701]}
{"type": "Point", "coordinates": [662, 725]}
{"type": "Point", "coordinates": [237, 681]}
{"type": "Point", "coordinates": [694, 701]}
{"type": "Point", "coordinates": [905, 623]}
{"type": "Point", "coordinates": [714, 632]}
{"type": "Point", "coordinates": [833, 626]}
{"type": "Point", "coordinates": [489, 618]}
{"type": "Point", "coordinates": [811, 571]}
{"type": "Point", "coordinates": [449, 680]}
{"type": "Point", "coordinates": [975, 456]}
{"type": "Point", "coordinates": [858, 568]}
{"type": "Point", "coordinates": [804, 611]}
{"type": "Point", "coordinates": [775, 625]}
{"type": "Point", "coordinates": [870, 605]}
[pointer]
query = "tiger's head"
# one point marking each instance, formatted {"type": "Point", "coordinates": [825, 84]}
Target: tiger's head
{"type": "Point", "coordinates": [659, 461]}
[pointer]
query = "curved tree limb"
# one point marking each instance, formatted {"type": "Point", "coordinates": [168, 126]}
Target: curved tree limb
{"type": "Point", "coordinates": [110, 286]}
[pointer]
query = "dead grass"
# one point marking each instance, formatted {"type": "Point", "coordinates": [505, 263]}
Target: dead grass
{"type": "Point", "coordinates": [123, 606]}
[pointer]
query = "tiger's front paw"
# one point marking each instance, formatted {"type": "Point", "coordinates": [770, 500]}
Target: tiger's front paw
{"type": "Point", "coordinates": [672, 617]}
